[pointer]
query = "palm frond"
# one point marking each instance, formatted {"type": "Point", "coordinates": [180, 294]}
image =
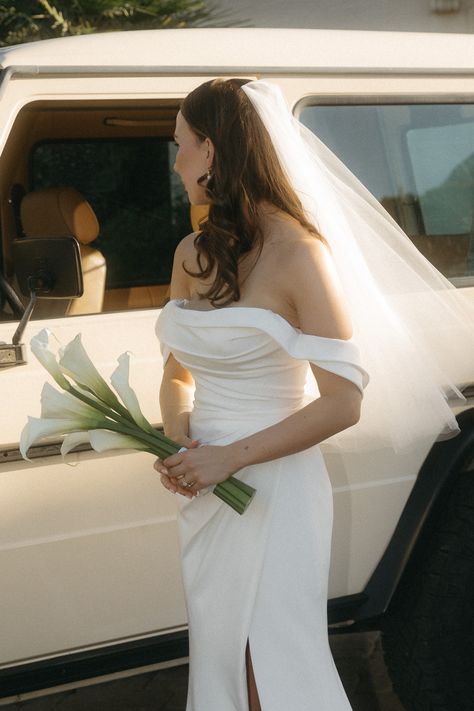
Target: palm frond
{"type": "Point", "coordinates": [42, 19]}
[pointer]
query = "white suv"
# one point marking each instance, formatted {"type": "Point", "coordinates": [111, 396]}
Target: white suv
{"type": "Point", "coordinates": [89, 554]}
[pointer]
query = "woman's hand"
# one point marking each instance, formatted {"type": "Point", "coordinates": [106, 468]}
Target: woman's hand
{"type": "Point", "coordinates": [199, 467]}
{"type": "Point", "coordinates": [169, 482]}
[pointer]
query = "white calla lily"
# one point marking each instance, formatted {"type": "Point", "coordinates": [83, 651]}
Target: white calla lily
{"type": "Point", "coordinates": [65, 406]}
{"type": "Point", "coordinates": [40, 347]}
{"type": "Point", "coordinates": [120, 381]}
{"type": "Point", "coordinates": [73, 440]}
{"type": "Point", "coordinates": [75, 363]}
{"type": "Point", "coordinates": [103, 440]}
{"type": "Point", "coordinates": [38, 427]}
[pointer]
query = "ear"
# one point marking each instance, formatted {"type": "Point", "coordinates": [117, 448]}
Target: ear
{"type": "Point", "coordinates": [210, 152]}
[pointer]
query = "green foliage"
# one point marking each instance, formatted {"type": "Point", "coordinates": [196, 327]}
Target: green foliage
{"type": "Point", "coordinates": [27, 20]}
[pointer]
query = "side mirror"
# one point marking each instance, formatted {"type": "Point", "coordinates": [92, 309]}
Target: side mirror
{"type": "Point", "coordinates": [46, 268]}
{"type": "Point", "coordinates": [50, 267]}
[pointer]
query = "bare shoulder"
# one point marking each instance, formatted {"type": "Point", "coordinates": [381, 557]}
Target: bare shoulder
{"type": "Point", "coordinates": [313, 288]}
{"type": "Point", "coordinates": [302, 253]}
{"type": "Point", "coordinates": [283, 234]}
{"type": "Point", "coordinates": [184, 256]}
{"type": "Point", "coordinates": [186, 249]}
{"type": "Point", "coordinates": [308, 254]}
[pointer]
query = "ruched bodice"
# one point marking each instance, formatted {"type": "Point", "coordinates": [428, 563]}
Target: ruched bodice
{"type": "Point", "coordinates": [250, 368]}
{"type": "Point", "coordinates": [249, 363]}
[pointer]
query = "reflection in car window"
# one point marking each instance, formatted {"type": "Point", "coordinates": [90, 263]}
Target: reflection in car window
{"type": "Point", "coordinates": [418, 161]}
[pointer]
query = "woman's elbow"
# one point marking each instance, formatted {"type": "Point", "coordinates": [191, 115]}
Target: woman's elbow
{"type": "Point", "coordinates": [350, 408]}
{"type": "Point", "coordinates": [355, 408]}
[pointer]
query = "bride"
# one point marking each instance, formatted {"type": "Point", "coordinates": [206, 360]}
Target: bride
{"type": "Point", "coordinates": [275, 278]}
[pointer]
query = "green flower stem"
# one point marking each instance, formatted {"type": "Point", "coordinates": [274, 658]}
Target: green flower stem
{"type": "Point", "coordinates": [105, 408]}
{"type": "Point", "coordinates": [121, 410]}
{"type": "Point", "coordinates": [129, 426]}
{"type": "Point", "coordinates": [233, 492]}
{"type": "Point", "coordinates": [154, 443]}
{"type": "Point", "coordinates": [112, 404]}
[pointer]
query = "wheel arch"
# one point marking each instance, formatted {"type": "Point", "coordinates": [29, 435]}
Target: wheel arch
{"type": "Point", "coordinates": [445, 461]}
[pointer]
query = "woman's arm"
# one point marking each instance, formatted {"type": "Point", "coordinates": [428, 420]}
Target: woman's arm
{"type": "Point", "coordinates": [337, 408]}
{"type": "Point", "coordinates": [177, 385]}
{"type": "Point", "coordinates": [176, 389]}
{"type": "Point", "coordinates": [176, 395]}
{"type": "Point", "coordinates": [311, 288]}
{"type": "Point", "coordinates": [176, 398]}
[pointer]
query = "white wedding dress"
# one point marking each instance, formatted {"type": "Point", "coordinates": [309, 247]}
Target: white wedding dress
{"type": "Point", "coordinates": [262, 576]}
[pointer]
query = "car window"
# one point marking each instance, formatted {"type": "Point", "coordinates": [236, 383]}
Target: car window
{"type": "Point", "coordinates": [140, 204]}
{"type": "Point", "coordinates": [418, 161]}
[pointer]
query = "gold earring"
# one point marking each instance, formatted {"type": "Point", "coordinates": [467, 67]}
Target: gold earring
{"type": "Point", "coordinates": [208, 174]}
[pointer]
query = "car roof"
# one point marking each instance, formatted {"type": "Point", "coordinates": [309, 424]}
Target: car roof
{"type": "Point", "coordinates": [265, 50]}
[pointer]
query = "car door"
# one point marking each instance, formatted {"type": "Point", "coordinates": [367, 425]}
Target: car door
{"type": "Point", "coordinates": [88, 545]}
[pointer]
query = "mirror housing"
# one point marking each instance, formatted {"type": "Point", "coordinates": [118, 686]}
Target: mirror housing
{"type": "Point", "coordinates": [46, 268]}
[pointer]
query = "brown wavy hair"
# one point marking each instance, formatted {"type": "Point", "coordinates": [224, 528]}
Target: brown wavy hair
{"type": "Point", "coordinates": [245, 172]}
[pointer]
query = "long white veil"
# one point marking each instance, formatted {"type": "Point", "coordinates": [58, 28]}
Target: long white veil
{"type": "Point", "coordinates": [415, 331]}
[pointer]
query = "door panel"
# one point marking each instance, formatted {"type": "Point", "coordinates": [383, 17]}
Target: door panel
{"type": "Point", "coordinates": [88, 549]}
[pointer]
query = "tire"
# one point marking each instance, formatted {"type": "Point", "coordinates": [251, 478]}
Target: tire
{"type": "Point", "coordinates": [428, 632]}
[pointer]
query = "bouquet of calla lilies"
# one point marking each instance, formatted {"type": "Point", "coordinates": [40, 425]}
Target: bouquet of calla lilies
{"type": "Point", "coordinates": [89, 411]}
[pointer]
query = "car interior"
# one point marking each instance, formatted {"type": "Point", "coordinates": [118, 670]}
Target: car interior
{"type": "Point", "coordinates": [83, 169]}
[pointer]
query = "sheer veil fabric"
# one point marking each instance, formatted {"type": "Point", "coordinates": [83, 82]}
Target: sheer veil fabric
{"type": "Point", "coordinates": [414, 329]}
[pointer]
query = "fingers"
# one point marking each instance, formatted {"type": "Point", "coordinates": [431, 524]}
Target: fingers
{"type": "Point", "coordinates": [185, 484]}
{"type": "Point", "coordinates": [174, 459]}
{"type": "Point", "coordinates": [177, 458]}
{"type": "Point", "coordinates": [175, 474]}
{"type": "Point", "coordinates": [167, 483]}
{"type": "Point", "coordinates": [189, 443]}
{"type": "Point", "coordinates": [170, 483]}
{"type": "Point", "coordinates": [160, 467]}
{"type": "Point", "coordinates": [177, 466]}
{"type": "Point", "coordinates": [187, 491]}
{"type": "Point", "coordinates": [175, 488]}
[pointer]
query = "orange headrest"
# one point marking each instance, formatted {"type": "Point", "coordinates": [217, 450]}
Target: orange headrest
{"type": "Point", "coordinates": [58, 212]}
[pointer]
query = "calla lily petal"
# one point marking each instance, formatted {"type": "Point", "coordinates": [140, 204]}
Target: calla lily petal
{"type": "Point", "coordinates": [64, 406]}
{"type": "Point", "coordinates": [75, 363]}
{"type": "Point", "coordinates": [120, 381]}
{"type": "Point", "coordinates": [73, 440]}
{"type": "Point", "coordinates": [103, 440]}
{"type": "Point", "coordinates": [40, 347]}
{"type": "Point", "coordinates": [37, 428]}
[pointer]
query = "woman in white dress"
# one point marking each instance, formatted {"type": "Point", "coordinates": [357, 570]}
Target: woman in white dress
{"type": "Point", "coordinates": [254, 298]}
{"type": "Point", "coordinates": [295, 257]}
